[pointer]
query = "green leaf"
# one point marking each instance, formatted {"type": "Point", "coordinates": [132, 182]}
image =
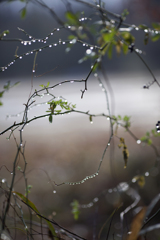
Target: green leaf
{"type": "Point", "coordinates": [71, 37]}
{"type": "Point", "coordinates": [1, 94]}
{"type": "Point", "coordinates": [27, 201]}
{"type": "Point", "coordinates": [143, 26]}
{"type": "Point", "coordinates": [41, 85]}
{"type": "Point", "coordinates": [7, 85]}
{"type": "Point", "coordinates": [147, 134]}
{"type": "Point", "coordinates": [75, 209]}
{"type": "Point", "coordinates": [47, 84]}
{"type": "Point", "coordinates": [149, 141]}
{"type": "Point", "coordinates": [23, 12]}
{"type": "Point", "coordinates": [50, 118]}
{"type": "Point", "coordinates": [72, 18]}
{"type": "Point", "coordinates": [52, 230]}
{"type": "Point", "coordinates": [5, 32]}
{"type": "Point", "coordinates": [128, 37]}
{"type": "Point", "coordinates": [31, 204]}
{"type": "Point", "coordinates": [124, 14]}
{"type": "Point", "coordinates": [155, 37]}
{"type": "Point", "coordinates": [156, 26]}
{"type": "Point", "coordinates": [108, 37]}
{"type": "Point", "coordinates": [125, 48]}
{"type": "Point", "coordinates": [126, 118]}
{"type": "Point", "coordinates": [1, 104]}
{"type": "Point", "coordinates": [110, 49]}
{"type": "Point", "coordinates": [143, 139]}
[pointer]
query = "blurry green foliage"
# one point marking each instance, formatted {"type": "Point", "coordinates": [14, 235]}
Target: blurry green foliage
{"type": "Point", "coordinates": [6, 87]}
{"type": "Point", "coordinates": [75, 209]}
{"type": "Point", "coordinates": [147, 137]}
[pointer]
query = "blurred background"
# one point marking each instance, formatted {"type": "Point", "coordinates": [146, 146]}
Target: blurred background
{"type": "Point", "coordinates": [71, 147]}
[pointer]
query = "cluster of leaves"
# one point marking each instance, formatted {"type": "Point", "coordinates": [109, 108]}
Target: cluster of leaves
{"type": "Point", "coordinates": [125, 121]}
{"type": "Point", "coordinates": [62, 104]}
{"type": "Point", "coordinates": [147, 137]}
{"type": "Point", "coordinates": [124, 151]}
{"type": "Point", "coordinates": [6, 87]}
{"type": "Point", "coordinates": [153, 35]}
{"type": "Point", "coordinates": [140, 179]}
{"type": "Point", "coordinates": [4, 33]}
{"type": "Point", "coordinates": [28, 189]}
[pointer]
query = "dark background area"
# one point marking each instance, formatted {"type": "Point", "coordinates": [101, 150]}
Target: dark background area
{"type": "Point", "coordinates": [39, 22]}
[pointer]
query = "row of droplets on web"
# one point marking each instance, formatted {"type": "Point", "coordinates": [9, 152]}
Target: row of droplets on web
{"type": "Point", "coordinates": [73, 41]}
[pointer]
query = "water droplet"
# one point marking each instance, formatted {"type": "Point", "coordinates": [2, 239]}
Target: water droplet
{"type": "Point", "coordinates": [91, 122]}
{"type": "Point", "coordinates": [3, 180]}
{"type": "Point", "coordinates": [110, 190]}
{"type": "Point", "coordinates": [146, 174]}
{"type": "Point", "coordinates": [22, 42]}
{"type": "Point", "coordinates": [20, 57]}
{"type": "Point", "coordinates": [50, 45]}
{"type": "Point", "coordinates": [138, 141]}
{"type": "Point", "coordinates": [95, 199]}
{"type": "Point", "coordinates": [55, 44]}
{"type": "Point", "coordinates": [64, 43]}
{"type": "Point", "coordinates": [4, 34]}
{"type": "Point", "coordinates": [44, 42]}
{"type": "Point", "coordinates": [54, 191]}
{"type": "Point", "coordinates": [46, 38]}
{"type": "Point", "coordinates": [69, 26]}
{"type": "Point", "coordinates": [58, 29]}
{"type": "Point", "coordinates": [103, 89]}
{"type": "Point", "coordinates": [136, 28]}
{"type": "Point", "coordinates": [146, 30]}
{"type": "Point", "coordinates": [11, 173]}
{"type": "Point", "coordinates": [51, 33]}
{"type": "Point", "coordinates": [74, 40]}
{"type": "Point", "coordinates": [33, 40]}
{"type": "Point", "coordinates": [95, 75]}
{"type": "Point", "coordinates": [123, 186]}
{"type": "Point", "coordinates": [108, 144]}
{"type": "Point", "coordinates": [88, 51]}
{"type": "Point", "coordinates": [39, 40]}
{"type": "Point", "coordinates": [84, 44]}
{"type": "Point", "coordinates": [25, 43]}
{"type": "Point", "coordinates": [72, 81]}
{"type": "Point", "coordinates": [30, 36]}
{"type": "Point", "coordinates": [134, 180]}
{"type": "Point", "coordinates": [31, 52]}
{"type": "Point", "coordinates": [98, 6]}
{"type": "Point", "coordinates": [33, 70]}
{"type": "Point", "coordinates": [67, 49]}
{"type": "Point", "coordinates": [40, 50]}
